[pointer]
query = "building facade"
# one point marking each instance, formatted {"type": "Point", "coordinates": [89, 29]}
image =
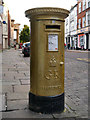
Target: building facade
{"type": "Point", "coordinates": [5, 27]}
{"type": "Point", "coordinates": [77, 29]}
{"type": "Point", "coordinates": [14, 33]}
{"type": "Point", "coordinates": [67, 33]}
{"type": "Point", "coordinates": [71, 29]}
{"type": "Point", "coordinates": [83, 24]}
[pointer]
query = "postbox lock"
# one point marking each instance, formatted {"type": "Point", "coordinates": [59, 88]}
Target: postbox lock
{"type": "Point", "coordinates": [61, 63]}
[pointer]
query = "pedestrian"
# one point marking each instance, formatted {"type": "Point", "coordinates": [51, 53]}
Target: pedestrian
{"type": "Point", "coordinates": [68, 45]}
{"type": "Point", "coordinates": [15, 46]}
{"type": "Point", "coordinates": [65, 45]}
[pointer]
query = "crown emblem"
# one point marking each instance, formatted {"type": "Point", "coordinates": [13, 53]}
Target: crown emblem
{"type": "Point", "coordinates": [52, 62]}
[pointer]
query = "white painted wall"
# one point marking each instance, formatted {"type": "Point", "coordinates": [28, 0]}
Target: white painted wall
{"type": "Point", "coordinates": [5, 28]}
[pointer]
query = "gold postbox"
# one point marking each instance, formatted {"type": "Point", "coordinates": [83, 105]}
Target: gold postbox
{"type": "Point", "coordinates": [47, 59]}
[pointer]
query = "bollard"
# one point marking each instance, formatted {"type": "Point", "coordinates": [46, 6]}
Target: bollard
{"type": "Point", "coordinates": [47, 59]}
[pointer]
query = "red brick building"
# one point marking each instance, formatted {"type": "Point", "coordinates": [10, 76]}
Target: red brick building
{"type": "Point", "coordinates": [83, 24]}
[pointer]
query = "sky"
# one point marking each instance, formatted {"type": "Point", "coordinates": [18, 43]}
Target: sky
{"type": "Point", "coordinates": [17, 8]}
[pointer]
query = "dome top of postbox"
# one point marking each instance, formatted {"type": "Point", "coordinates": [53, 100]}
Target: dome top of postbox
{"type": "Point", "coordinates": [48, 11]}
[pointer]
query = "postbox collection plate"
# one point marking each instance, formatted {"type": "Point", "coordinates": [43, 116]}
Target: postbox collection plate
{"type": "Point", "coordinates": [53, 42]}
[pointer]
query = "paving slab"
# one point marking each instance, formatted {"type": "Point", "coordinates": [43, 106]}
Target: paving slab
{"type": "Point", "coordinates": [11, 74]}
{"type": "Point", "coordinates": [2, 102]}
{"type": "Point", "coordinates": [82, 113]}
{"type": "Point", "coordinates": [25, 82]}
{"type": "Point", "coordinates": [17, 105]}
{"type": "Point", "coordinates": [17, 96]}
{"type": "Point", "coordinates": [65, 114]}
{"type": "Point", "coordinates": [70, 103]}
{"type": "Point", "coordinates": [9, 82]}
{"type": "Point", "coordinates": [0, 88]}
{"type": "Point", "coordinates": [25, 72]}
{"type": "Point", "coordinates": [21, 88]}
{"type": "Point", "coordinates": [25, 114]}
{"type": "Point", "coordinates": [7, 88]}
{"type": "Point", "coordinates": [23, 78]}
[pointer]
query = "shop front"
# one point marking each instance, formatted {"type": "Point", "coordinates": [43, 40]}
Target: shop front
{"type": "Point", "coordinates": [83, 38]}
{"type": "Point", "coordinates": [81, 41]}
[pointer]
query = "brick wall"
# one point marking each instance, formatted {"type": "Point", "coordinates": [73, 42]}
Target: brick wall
{"type": "Point", "coordinates": [83, 12]}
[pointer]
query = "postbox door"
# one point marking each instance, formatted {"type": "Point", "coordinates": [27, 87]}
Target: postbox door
{"type": "Point", "coordinates": [53, 61]}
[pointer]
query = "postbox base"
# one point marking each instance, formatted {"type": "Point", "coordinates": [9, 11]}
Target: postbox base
{"type": "Point", "coordinates": [49, 104]}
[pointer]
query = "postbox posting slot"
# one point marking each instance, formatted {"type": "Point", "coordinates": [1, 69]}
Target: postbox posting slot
{"type": "Point", "coordinates": [53, 27]}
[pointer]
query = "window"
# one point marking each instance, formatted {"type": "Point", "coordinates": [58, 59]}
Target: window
{"type": "Point", "coordinates": [79, 7]}
{"type": "Point", "coordinates": [79, 26]}
{"type": "Point", "coordinates": [89, 17]}
{"type": "Point", "coordinates": [83, 21]}
{"type": "Point", "coordinates": [66, 21]}
{"type": "Point", "coordinates": [84, 4]}
{"type": "Point", "coordinates": [72, 26]}
{"type": "Point", "coordinates": [88, 3]}
{"type": "Point", "coordinates": [66, 30]}
{"type": "Point", "coordinates": [1, 9]}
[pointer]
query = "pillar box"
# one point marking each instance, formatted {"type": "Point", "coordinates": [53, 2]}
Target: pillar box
{"type": "Point", "coordinates": [47, 59]}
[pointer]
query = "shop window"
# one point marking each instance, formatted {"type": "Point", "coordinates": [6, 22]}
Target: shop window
{"type": "Point", "coordinates": [81, 41]}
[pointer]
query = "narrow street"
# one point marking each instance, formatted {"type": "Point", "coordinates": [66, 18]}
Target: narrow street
{"type": "Point", "coordinates": [16, 86]}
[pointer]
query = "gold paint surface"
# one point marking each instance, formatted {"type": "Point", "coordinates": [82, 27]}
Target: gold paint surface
{"type": "Point", "coordinates": [46, 73]}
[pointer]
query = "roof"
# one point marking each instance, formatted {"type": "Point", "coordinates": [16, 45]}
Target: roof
{"type": "Point", "coordinates": [73, 7]}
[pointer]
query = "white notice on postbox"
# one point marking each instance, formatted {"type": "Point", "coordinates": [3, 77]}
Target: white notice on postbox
{"type": "Point", "coordinates": [52, 42]}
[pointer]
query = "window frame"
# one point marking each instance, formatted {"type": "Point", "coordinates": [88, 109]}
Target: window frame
{"type": "Point", "coordinates": [83, 21]}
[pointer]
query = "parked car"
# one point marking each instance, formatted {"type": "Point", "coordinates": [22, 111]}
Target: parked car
{"type": "Point", "coordinates": [23, 47]}
{"type": "Point", "coordinates": [26, 50]}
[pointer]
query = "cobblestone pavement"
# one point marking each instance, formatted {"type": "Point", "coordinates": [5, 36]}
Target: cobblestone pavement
{"type": "Point", "coordinates": [16, 80]}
